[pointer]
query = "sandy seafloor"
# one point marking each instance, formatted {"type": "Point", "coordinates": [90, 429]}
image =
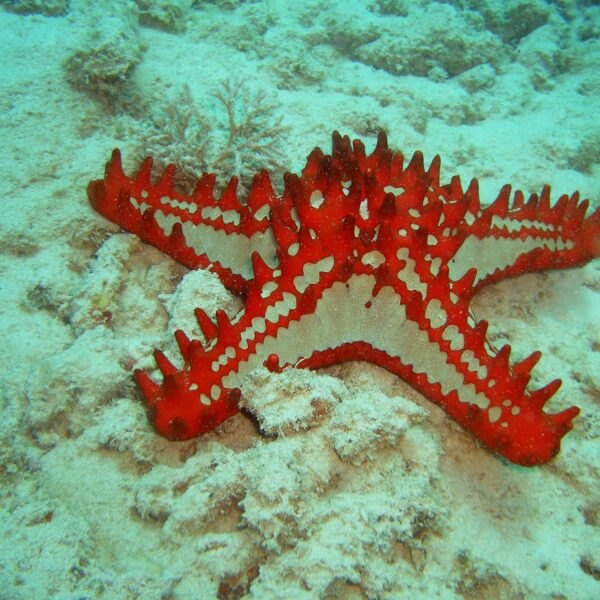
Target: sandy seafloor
{"type": "Point", "coordinates": [358, 486]}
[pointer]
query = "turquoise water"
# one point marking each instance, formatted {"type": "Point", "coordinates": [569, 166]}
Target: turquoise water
{"type": "Point", "coordinates": [342, 482]}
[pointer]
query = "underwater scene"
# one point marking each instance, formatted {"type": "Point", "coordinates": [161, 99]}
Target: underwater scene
{"type": "Point", "coordinates": [300, 300]}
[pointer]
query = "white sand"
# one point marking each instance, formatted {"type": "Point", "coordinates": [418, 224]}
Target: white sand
{"type": "Point", "coordinates": [362, 488]}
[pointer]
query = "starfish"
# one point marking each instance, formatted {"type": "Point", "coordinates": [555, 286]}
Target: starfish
{"type": "Point", "coordinates": [361, 258]}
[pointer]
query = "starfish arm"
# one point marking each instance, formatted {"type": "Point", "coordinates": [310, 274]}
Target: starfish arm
{"type": "Point", "coordinates": [440, 350]}
{"type": "Point", "coordinates": [502, 241]}
{"type": "Point", "coordinates": [197, 230]}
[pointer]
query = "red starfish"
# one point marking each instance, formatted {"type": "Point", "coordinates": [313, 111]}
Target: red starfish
{"type": "Point", "coordinates": [361, 258]}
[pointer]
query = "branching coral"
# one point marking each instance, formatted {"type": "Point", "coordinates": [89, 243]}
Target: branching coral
{"type": "Point", "coordinates": [178, 133]}
{"type": "Point", "coordinates": [243, 141]}
{"type": "Point", "coordinates": [252, 142]}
